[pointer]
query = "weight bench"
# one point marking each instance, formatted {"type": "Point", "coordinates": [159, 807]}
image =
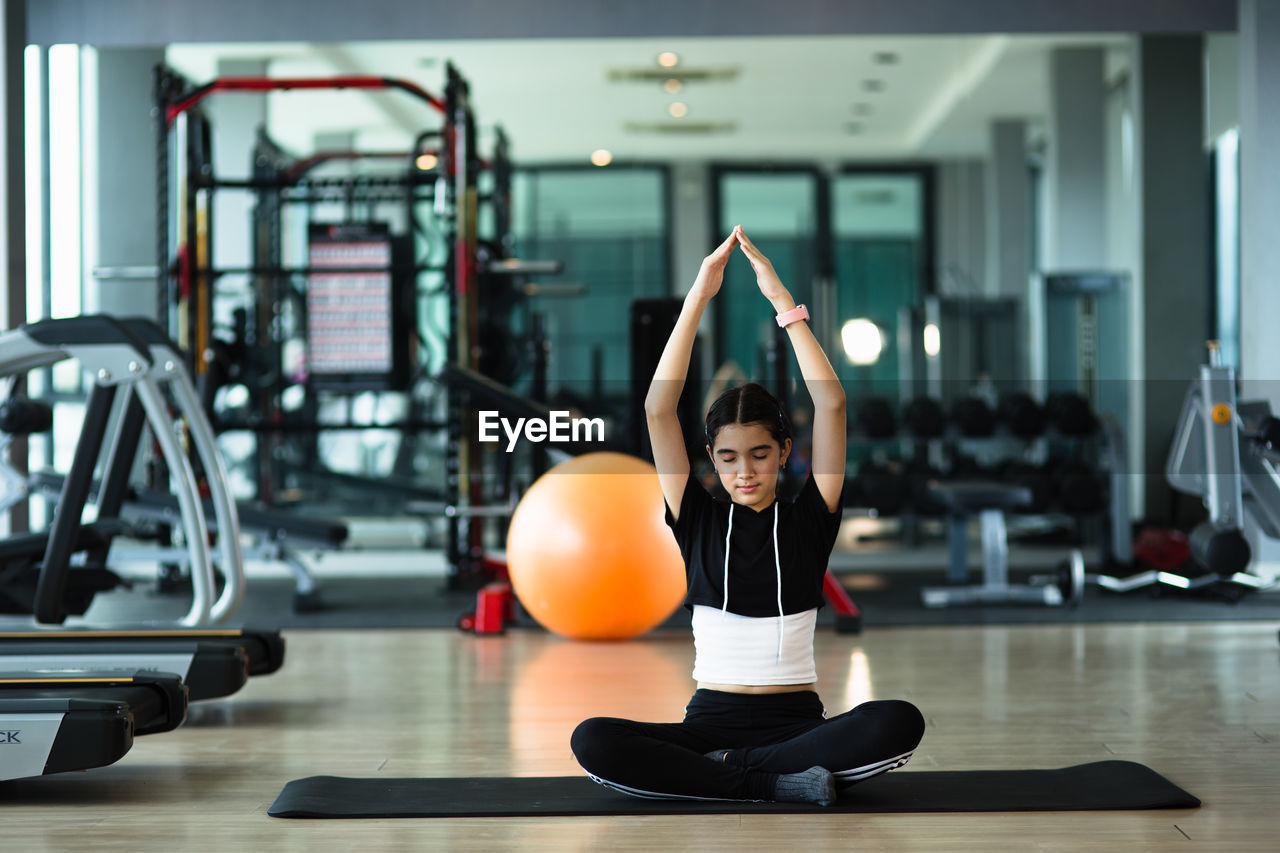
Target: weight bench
{"type": "Point", "coordinates": [988, 501]}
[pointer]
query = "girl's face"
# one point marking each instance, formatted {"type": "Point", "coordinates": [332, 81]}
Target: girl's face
{"type": "Point", "coordinates": [747, 460]}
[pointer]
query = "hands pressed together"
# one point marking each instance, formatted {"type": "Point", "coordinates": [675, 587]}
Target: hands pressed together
{"type": "Point", "coordinates": [711, 274]}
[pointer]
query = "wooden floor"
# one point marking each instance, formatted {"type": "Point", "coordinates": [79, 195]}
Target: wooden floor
{"type": "Point", "coordinates": [1199, 703]}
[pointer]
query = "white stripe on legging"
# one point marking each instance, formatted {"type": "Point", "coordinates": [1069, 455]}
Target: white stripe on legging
{"type": "Point", "coordinates": [872, 769]}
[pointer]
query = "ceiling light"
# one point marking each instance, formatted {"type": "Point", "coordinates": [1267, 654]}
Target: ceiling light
{"type": "Point", "coordinates": [861, 108]}
{"type": "Point", "coordinates": [668, 59]}
{"type": "Point", "coordinates": [863, 341]}
{"type": "Point", "coordinates": [932, 341]}
{"type": "Point", "coordinates": [601, 157]}
{"type": "Point", "coordinates": [684, 127]}
{"type": "Point", "coordinates": [672, 86]}
{"type": "Point", "coordinates": [853, 127]}
{"type": "Point", "coordinates": [678, 109]}
{"type": "Point", "coordinates": [427, 162]}
{"type": "Point", "coordinates": [873, 85]}
{"type": "Point", "coordinates": [685, 74]}
{"type": "Point", "coordinates": [885, 57]}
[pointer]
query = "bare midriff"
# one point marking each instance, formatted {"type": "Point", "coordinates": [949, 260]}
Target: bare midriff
{"type": "Point", "coordinates": [758, 688]}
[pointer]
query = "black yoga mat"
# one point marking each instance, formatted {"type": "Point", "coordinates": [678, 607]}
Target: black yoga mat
{"type": "Point", "coordinates": [1102, 785]}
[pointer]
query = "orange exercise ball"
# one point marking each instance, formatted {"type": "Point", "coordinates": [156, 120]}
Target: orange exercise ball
{"type": "Point", "coordinates": [589, 554]}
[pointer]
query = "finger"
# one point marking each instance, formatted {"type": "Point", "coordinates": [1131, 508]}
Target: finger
{"type": "Point", "coordinates": [727, 245]}
{"type": "Point", "coordinates": [750, 248]}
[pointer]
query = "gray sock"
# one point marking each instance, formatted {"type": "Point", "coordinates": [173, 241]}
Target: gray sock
{"type": "Point", "coordinates": [815, 785]}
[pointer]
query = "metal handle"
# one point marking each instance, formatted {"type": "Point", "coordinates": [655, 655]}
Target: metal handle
{"type": "Point", "coordinates": [224, 508]}
{"type": "Point", "coordinates": [183, 478]}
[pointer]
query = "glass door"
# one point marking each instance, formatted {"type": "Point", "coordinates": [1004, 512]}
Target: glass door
{"type": "Point", "coordinates": [782, 210]}
{"type": "Point", "coordinates": [883, 263]}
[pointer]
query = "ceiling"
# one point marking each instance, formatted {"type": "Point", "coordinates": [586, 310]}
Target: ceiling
{"type": "Point", "coordinates": [769, 98]}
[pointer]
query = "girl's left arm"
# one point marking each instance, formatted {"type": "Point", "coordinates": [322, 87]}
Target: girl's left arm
{"type": "Point", "coordinates": [829, 409]}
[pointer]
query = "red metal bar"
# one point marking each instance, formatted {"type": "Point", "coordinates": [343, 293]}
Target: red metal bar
{"type": "Point", "coordinates": [838, 598]}
{"type": "Point", "coordinates": [267, 84]}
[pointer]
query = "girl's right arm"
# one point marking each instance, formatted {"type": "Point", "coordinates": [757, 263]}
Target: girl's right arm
{"type": "Point", "coordinates": [669, 452]}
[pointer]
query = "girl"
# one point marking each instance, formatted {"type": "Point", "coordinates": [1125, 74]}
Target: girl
{"type": "Point", "coordinates": [755, 729]}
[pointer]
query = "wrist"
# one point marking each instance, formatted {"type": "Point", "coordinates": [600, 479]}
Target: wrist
{"type": "Point", "coordinates": [696, 298]}
{"type": "Point", "coordinates": [794, 315]}
{"type": "Point", "coordinates": [782, 303]}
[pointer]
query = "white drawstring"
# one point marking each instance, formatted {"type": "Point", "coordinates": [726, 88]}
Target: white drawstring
{"type": "Point", "coordinates": [777, 565]}
{"type": "Point", "coordinates": [727, 533]}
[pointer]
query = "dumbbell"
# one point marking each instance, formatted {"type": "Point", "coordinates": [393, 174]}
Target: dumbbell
{"type": "Point", "coordinates": [1070, 414]}
{"type": "Point", "coordinates": [880, 488]}
{"type": "Point", "coordinates": [923, 417]}
{"type": "Point", "coordinates": [973, 417]}
{"type": "Point", "coordinates": [1021, 414]}
{"type": "Point", "coordinates": [876, 417]}
{"type": "Point", "coordinates": [1078, 488]}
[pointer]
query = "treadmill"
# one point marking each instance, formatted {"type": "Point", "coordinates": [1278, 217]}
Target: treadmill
{"type": "Point", "coordinates": [137, 357]}
{"type": "Point", "coordinates": [117, 361]}
{"type": "Point", "coordinates": [257, 652]}
{"type": "Point", "coordinates": [55, 722]}
{"type": "Point", "coordinates": [278, 535]}
{"type": "Point", "coordinates": [209, 669]}
{"type": "Point", "coordinates": [43, 736]}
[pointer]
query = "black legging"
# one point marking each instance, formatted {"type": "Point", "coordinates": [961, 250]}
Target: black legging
{"type": "Point", "coordinates": [764, 735]}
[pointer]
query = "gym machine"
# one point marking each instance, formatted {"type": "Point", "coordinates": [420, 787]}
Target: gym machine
{"type": "Point", "coordinates": [36, 568]}
{"type": "Point", "coordinates": [276, 535]}
{"type": "Point", "coordinates": [460, 287]}
{"type": "Point", "coordinates": [1224, 450]}
{"type": "Point", "coordinates": [116, 359]}
{"type": "Point", "coordinates": [55, 722]}
{"type": "Point", "coordinates": [1227, 452]}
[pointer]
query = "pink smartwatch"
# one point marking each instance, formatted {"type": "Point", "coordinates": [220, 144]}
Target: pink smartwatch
{"type": "Point", "coordinates": [786, 318]}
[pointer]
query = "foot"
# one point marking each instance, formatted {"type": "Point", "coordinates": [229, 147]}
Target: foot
{"type": "Point", "coordinates": [815, 785]}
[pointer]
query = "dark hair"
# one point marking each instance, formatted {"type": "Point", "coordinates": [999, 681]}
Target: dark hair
{"type": "Point", "coordinates": [748, 404]}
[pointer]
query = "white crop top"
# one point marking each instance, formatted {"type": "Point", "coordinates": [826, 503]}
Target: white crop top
{"type": "Point", "coordinates": [751, 650]}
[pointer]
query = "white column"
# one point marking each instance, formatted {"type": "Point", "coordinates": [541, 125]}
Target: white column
{"type": "Point", "coordinates": [1009, 209]}
{"type": "Point", "coordinates": [1075, 177]}
{"type": "Point", "coordinates": [1259, 215]}
{"type": "Point", "coordinates": [1260, 195]}
{"type": "Point", "coordinates": [13, 222]}
{"type": "Point", "coordinates": [963, 265]}
{"type": "Point", "coordinates": [125, 238]}
{"type": "Point", "coordinates": [236, 118]}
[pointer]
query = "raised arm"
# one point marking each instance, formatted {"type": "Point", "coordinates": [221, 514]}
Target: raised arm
{"type": "Point", "coordinates": [829, 437]}
{"type": "Point", "coordinates": [669, 453]}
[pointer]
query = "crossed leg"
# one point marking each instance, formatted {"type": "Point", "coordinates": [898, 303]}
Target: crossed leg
{"type": "Point", "coordinates": [869, 740]}
{"type": "Point", "coordinates": [674, 759]}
